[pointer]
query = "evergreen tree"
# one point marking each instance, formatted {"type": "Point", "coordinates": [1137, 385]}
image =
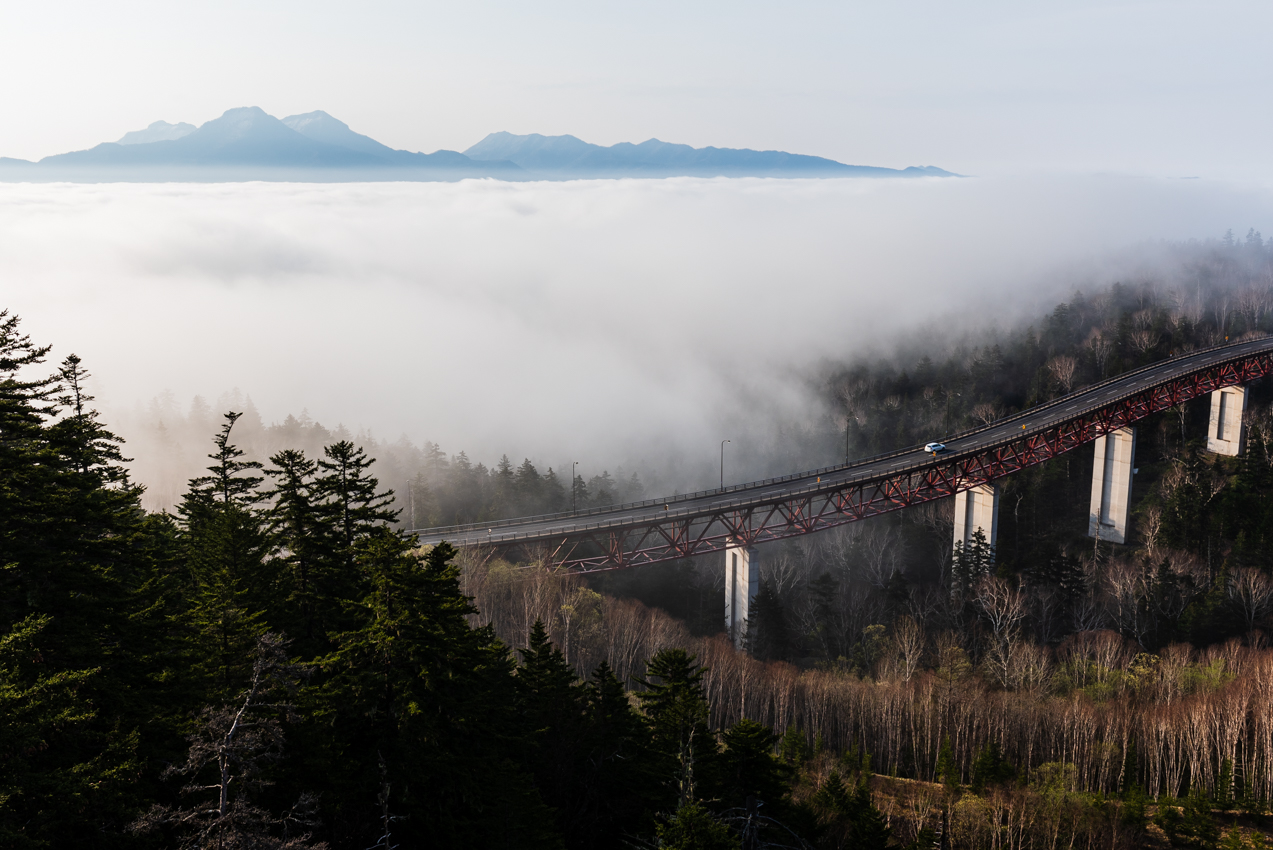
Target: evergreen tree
{"type": "Point", "coordinates": [552, 706]}
{"type": "Point", "coordinates": [850, 817]}
{"type": "Point", "coordinates": [768, 635]}
{"type": "Point", "coordinates": [352, 503]}
{"type": "Point", "coordinates": [413, 685]}
{"type": "Point", "coordinates": [991, 768]}
{"type": "Point", "coordinates": [229, 580]}
{"type": "Point", "coordinates": [676, 705]}
{"type": "Point", "coordinates": [695, 828]}
{"type": "Point", "coordinates": [971, 563]}
{"type": "Point", "coordinates": [947, 768]}
{"type": "Point", "coordinates": [1189, 825]}
{"type": "Point", "coordinates": [310, 590]}
{"type": "Point", "coordinates": [748, 767]}
{"type": "Point", "coordinates": [73, 548]}
{"type": "Point", "coordinates": [617, 781]}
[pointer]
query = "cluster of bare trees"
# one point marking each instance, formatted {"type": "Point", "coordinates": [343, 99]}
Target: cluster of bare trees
{"type": "Point", "coordinates": [1099, 703]}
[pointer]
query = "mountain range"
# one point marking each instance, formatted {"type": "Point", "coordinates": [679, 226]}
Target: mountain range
{"type": "Point", "coordinates": [248, 144]}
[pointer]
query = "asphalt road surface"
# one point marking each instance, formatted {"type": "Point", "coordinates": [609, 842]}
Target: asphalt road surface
{"type": "Point", "coordinates": [556, 527]}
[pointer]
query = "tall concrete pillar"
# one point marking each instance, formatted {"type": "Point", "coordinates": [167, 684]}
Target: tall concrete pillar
{"type": "Point", "coordinates": [742, 581]}
{"type": "Point", "coordinates": [1225, 431]}
{"type": "Point", "coordinates": [974, 509]}
{"type": "Point", "coordinates": [1112, 486]}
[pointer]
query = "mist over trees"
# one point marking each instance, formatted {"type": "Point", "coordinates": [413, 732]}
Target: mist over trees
{"type": "Point", "coordinates": [273, 663]}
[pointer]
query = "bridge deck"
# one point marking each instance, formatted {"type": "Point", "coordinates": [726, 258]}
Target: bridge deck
{"type": "Point", "coordinates": [663, 529]}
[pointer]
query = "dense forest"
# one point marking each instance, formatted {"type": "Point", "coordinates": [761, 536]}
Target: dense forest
{"type": "Point", "coordinates": [274, 663]}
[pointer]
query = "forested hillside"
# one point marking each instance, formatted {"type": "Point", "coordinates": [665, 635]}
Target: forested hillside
{"type": "Point", "coordinates": [275, 664]}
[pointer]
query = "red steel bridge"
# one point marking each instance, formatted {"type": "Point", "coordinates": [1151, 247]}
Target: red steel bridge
{"type": "Point", "coordinates": [619, 536]}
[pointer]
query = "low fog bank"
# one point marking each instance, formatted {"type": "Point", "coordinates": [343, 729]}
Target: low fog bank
{"type": "Point", "coordinates": [630, 324]}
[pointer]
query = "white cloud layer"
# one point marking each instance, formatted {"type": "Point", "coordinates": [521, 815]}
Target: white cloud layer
{"type": "Point", "coordinates": [599, 321]}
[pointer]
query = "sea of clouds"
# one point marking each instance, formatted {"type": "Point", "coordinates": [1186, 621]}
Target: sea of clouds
{"type": "Point", "coordinates": [611, 322]}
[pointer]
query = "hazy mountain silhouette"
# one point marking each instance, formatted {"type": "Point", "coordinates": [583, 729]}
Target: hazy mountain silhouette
{"type": "Point", "coordinates": [248, 144]}
{"type": "Point", "coordinates": [160, 131]}
{"type": "Point", "coordinates": [568, 155]}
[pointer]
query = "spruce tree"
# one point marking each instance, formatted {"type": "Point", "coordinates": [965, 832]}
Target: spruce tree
{"type": "Point", "coordinates": [353, 504]}
{"type": "Point", "coordinates": [618, 783]}
{"type": "Point", "coordinates": [676, 705]}
{"type": "Point", "coordinates": [73, 548]}
{"type": "Point", "coordinates": [552, 706]}
{"type": "Point", "coordinates": [413, 686]}
{"type": "Point", "coordinates": [229, 580]}
{"type": "Point", "coordinates": [303, 545]}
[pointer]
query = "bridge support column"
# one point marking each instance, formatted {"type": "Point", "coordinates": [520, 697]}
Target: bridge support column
{"type": "Point", "coordinates": [977, 508]}
{"type": "Point", "coordinates": [1112, 485]}
{"type": "Point", "coordinates": [1225, 431]}
{"type": "Point", "coordinates": [742, 581]}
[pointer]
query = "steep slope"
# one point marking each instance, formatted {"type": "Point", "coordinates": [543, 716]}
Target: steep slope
{"type": "Point", "coordinates": [321, 127]}
{"type": "Point", "coordinates": [243, 136]}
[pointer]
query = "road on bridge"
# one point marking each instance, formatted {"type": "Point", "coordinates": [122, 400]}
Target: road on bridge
{"type": "Point", "coordinates": [661, 529]}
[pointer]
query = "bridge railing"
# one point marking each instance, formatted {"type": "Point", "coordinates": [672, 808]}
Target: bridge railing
{"type": "Point", "coordinates": [479, 527]}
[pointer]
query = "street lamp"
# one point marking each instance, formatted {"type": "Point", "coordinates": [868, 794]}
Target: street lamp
{"type": "Point", "coordinates": [573, 489]}
{"type": "Point", "coordinates": [722, 463]}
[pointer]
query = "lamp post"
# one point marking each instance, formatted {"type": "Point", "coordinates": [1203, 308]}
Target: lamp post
{"type": "Point", "coordinates": [722, 463]}
{"type": "Point", "coordinates": [573, 489]}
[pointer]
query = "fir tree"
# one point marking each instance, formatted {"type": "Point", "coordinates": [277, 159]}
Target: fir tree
{"type": "Point", "coordinates": [229, 578]}
{"type": "Point", "coordinates": [413, 684]}
{"type": "Point", "coordinates": [676, 705]}
{"type": "Point", "coordinates": [552, 706]}
{"type": "Point", "coordinates": [303, 543]}
{"type": "Point", "coordinates": [617, 781]}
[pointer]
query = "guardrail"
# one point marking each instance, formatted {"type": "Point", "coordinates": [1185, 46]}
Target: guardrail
{"type": "Point", "coordinates": [1242, 350]}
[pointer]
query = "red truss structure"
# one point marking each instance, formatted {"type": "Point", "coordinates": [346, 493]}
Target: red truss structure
{"type": "Point", "coordinates": [633, 535]}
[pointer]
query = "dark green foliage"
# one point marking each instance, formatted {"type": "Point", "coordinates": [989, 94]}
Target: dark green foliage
{"type": "Point", "coordinates": [413, 686]}
{"type": "Point", "coordinates": [947, 770]}
{"type": "Point", "coordinates": [991, 768]}
{"type": "Point", "coordinates": [695, 828]}
{"type": "Point", "coordinates": [43, 712]}
{"type": "Point", "coordinates": [617, 779]}
{"type": "Point", "coordinates": [1224, 785]}
{"type": "Point", "coordinates": [794, 746]}
{"type": "Point", "coordinates": [748, 767]}
{"type": "Point", "coordinates": [768, 634]}
{"type": "Point", "coordinates": [848, 815]}
{"type": "Point", "coordinates": [1189, 825]}
{"type": "Point", "coordinates": [971, 563]}
{"type": "Point", "coordinates": [676, 706]}
{"type": "Point", "coordinates": [228, 577]}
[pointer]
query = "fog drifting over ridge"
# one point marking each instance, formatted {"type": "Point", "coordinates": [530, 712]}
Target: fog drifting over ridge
{"type": "Point", "coordinates": [612, 322]}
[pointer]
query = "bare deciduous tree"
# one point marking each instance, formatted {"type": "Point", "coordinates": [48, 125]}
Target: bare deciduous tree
{"type": "Point", "coordinates": [1101, 347]}
{"type": "Point", "coordinates": [1063, 368]}
{"type": "Point", "coordinates": [909, 639]}
{"type": "Point", "coordinates": [228, 754]}
{"type": "Point", "coordinates": [1004, 607]}
{"type": "Point", "coordinates": [1251, 592]}
{"type": "Point", "coordinates": [986, 412]}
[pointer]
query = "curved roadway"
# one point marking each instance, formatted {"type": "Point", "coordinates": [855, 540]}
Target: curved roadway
{"type": "Point", "coordinates": [556, 527]}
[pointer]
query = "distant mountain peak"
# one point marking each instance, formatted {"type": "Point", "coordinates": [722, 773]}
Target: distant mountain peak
{"type": "Point", "coordinates": [160, 131]}
{"type": "Point", "coordinates": [571, 157]}
{"type": "Point", "coordinates": [321, 127]}
{"type": "Point", "coordinates": [247, 143]}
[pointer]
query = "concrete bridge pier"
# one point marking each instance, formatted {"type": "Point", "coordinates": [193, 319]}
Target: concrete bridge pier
{"type": "Point", "coordinates": [742, 581]}
{"type": "Point", "coordinates": [1112, 472]}
{"type": "Point", "coordinates": [977, 508]}
{"type": "Point", "coordinates": [1225, 432]}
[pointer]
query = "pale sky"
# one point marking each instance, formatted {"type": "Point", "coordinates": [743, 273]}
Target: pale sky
{"type": "Point", "coordinates": [1168, 89]}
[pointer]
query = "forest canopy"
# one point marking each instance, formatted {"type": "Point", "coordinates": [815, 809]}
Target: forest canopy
{"type": "Point", "coordinates": [276, 663]}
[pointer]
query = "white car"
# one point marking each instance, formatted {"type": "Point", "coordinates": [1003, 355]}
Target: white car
{"type": "Point", "coordinates": [934, 448]}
